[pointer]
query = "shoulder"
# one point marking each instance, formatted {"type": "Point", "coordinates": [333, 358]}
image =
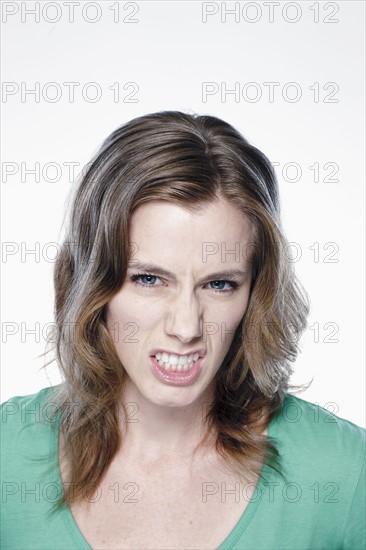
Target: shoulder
{"type": "Point", "coordinates": [27, 423]}
{"type": "Point", "coordinates": [323, 461]}
{"type": "Point", "coordinates": [40, 395]}
{"type": "Point", "coordinates": [320, 424]}
{"type": "Point", "coordinates": [317, 440]}
{"type": "Point", "coordinates": [31, 408]}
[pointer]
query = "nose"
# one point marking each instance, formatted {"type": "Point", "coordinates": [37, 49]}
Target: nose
{"type": "Point", "coordinates": [184, 319]}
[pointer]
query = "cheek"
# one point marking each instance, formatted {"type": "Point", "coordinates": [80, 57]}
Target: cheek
{"type": "Point", "coordinates": [127, 314]}
{"type": "Point", "coordinates": [223, 321]}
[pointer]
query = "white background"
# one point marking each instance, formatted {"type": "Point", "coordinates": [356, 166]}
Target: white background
{"type": "Point", "coordinates": [169, 52]}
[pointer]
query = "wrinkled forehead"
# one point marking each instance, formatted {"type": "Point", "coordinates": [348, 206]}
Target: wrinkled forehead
{"type": "Point", "coordinates": [216, 233]}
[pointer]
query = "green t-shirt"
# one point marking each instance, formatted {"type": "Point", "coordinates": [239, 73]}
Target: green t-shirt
{"type": "Point", "coordinates": [321, 505]}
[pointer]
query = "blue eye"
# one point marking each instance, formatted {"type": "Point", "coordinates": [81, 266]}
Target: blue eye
{"type": "Point", "coordinates": [233, 285]}
{"type": "Point", "coordinates": [137, 279]}
{"type": "Point", "coordinates": [137, 276]}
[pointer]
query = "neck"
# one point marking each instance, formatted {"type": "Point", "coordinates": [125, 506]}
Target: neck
{"type": "Point", "coordinates": [152, 432]}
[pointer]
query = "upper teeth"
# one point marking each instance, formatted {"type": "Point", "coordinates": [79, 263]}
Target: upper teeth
{"type": "Point", "coordinates": [175, 362]}
{"type": "Point", "coordinates": [175, 359]}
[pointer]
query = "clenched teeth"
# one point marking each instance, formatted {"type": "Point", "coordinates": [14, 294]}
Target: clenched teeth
{"type": "Point", "coordinates": [174, 362]}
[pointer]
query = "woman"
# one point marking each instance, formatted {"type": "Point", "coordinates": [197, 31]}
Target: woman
{"type": "Point", "coordinates": [178, 317]}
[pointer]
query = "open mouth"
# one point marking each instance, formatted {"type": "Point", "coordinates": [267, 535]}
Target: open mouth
{"type": "Point", "coordinates": [181, 374]}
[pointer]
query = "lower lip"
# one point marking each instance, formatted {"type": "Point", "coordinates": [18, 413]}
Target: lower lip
{"type": "Point", "coordinates": [178, 378]}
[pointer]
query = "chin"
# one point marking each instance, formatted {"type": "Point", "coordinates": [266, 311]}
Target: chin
{"type": "Point", "coordinates": [175, 398]}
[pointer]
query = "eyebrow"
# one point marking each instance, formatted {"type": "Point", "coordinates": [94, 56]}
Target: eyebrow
{"type": "Point", "coordinates": [227, 274]}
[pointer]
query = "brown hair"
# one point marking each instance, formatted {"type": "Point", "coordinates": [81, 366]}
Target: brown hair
{"type": "Point", "coordinates": [190, 160]}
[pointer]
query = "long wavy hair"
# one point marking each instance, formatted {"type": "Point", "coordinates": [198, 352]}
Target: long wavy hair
{"type": "Point", "coordinates": [189, 160]}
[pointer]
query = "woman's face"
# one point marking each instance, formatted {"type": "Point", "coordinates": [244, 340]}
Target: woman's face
{"type": "Point", "coordinates": [173, 321]}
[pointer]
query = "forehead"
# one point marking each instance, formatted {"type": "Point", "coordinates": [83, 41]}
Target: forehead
{"type": "Point", "coordinates": [164, 230]}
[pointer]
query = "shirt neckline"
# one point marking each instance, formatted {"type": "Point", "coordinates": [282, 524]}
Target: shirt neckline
{"type": "Point", "coordinates": [266, 475]}
{"type": "Point", "coordinates": [231, 538]}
